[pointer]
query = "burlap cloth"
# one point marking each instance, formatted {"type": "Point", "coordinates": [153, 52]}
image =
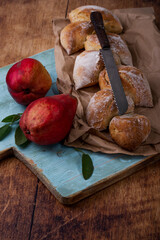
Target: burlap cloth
{"type": "Point", "coordinates": [143, 39]}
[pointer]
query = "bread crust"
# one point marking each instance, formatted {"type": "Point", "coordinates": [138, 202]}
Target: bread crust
{"type": "Point", "coordinates": [118, 46]}
{"type": "Point", "coordinates": [134, 83]}
{"type": "Point", "coordinates": [102, 108]}
{"type": "Point", "coordinates": [73, 36]}
{"type": "Point", "coordinates": [87, 67]}
{"type": "Point", "coordinates": [111, 22]}
{"type": "Point", "coordinates": [129, 131]}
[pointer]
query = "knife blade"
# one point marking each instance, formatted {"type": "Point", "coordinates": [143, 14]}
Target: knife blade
{"type": "Point", "coordinates": [109, 62]}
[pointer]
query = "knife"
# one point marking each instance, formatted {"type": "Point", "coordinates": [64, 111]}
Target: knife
{"type": "Point", "coordinates": [109, 62]}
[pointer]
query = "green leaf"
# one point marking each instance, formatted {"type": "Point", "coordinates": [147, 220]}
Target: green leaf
{"type": "Point", "coordinates": [24, 145]}
{"type": "Point", "coordinates": [87, 166]}
{"type": "Point", "coordinates": [20, 138]}
{"type": "Point", "coordinates": [12, 118]}
{"type": "Point", "coordinates": [4, 131]}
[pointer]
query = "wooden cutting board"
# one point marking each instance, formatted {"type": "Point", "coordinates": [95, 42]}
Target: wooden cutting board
{"type": "Point", "coordinates": [58, 166]}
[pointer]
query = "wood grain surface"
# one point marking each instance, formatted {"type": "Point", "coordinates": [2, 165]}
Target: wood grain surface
{"type": "Point", "coordinates": [129, 209]}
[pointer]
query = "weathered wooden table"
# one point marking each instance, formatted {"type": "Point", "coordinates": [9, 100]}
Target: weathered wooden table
{"type": "Point", "coordinates": [129, 209]}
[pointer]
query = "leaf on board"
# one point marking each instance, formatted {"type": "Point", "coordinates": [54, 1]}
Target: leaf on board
{"type": "Point", "coordinates": [87, 166]}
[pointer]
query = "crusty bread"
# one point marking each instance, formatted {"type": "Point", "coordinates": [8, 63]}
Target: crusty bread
{"type": "Point", "coordinates": [73, 36]}
{"type": "Point", "coordinates": [87, 67]}
{"type": "Point", "coordinates": [129, 130]}
{"type": "Point", "coordinates": [134, 83]}
{"type": "Point", "coordinates": [118, 46]}
{"type": "Point", "coordinates": [111, 22]}
{"type": "Point", "coordinates": [102, 108]}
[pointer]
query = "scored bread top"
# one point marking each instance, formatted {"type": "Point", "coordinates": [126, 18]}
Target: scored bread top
{"type": "Point", "coordinates": [134, 83]}
{"type": "Point", "coordinates": [138, 81]}
{"type": "Point", "coordinates": [111, 22]}
{"type": "Point", "coordinates": [73, 36]}
{"type": "Point", "coordinates": [102, 108]}
{"type": "Point", "coordinates": [117, 44]}
{"type": "Point", "coordinates": [87, 67]}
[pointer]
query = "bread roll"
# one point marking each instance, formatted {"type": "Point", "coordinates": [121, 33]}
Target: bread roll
{"type": "Point", "coordinates": [118, 46]}
{"type": "Point", "coordinates": [102, 108]}
{"type": "Point", "coordinates": [111, 22]}
{"type": "Point", "coordinates": [86, 70]}
{"type": "Point", "coordinates": [134, 83]}
{"type": "Point", "coordinates": [73, 36]}
{"type": "Point", "coordinates": [129, 130]}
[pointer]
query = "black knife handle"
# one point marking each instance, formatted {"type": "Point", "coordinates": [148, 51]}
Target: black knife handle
{"type": "Point", "coordinates": [97, 21]}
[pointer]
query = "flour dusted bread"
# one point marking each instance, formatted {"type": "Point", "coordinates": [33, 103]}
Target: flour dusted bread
{"type": "Point", "coordinates": [134, 83]}
{"type": "Point", "coordinates": [111, 22]}
{"type": "Point", "coordinates": [129, 130]}
{"type": "Point", "coordinates": [102, 108]}
{"type": "Point", "coordinates": [73, 36]}
{"type": "Point", "coordinates": [118, 46]}
{"type": "Point", "coordinates": [86, 70]}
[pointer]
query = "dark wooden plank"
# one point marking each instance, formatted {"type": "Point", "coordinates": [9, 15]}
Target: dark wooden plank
{"type": "Point", "coordinates": [111, 4]}
{"type": "Point", "coordinates": [129, 209]}
{"type": "Point", "coordinates": [17, 199]}
{"type": "Point", "coordinates": [26, 27]}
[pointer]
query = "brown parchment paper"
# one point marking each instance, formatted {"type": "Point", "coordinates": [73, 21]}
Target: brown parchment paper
{"type": "Point", "coordinates": [143, 39]}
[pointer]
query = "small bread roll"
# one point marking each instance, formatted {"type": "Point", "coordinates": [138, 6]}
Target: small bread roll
{"type": "Point", "coordinates": [86, 70]}
{"type": "Point", "coordinates": [118, 46]}
{"type": "Point", "coordinates": [134, 83]}
{"type": "Point", "coordinates": [73, 36]}
{"type": "Point", "coordinates": [102, 108]}
{"type": "Point", "coordinates": [129, 130]}
{"type": "Point", "coordinates": [111, 22]}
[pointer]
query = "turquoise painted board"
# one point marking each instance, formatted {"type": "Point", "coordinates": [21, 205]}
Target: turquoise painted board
{"type": "Point", "coordinates": [58, 166]}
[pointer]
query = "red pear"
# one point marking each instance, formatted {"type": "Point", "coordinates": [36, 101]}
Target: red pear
{"type": "Point", "coordinates": [49, 119]}
{"type": "Point", "coordinates": [27, 81]}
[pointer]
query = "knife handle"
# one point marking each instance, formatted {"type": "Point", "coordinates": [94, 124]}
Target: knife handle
{"type": "Point", "coordinates": [97, 21]}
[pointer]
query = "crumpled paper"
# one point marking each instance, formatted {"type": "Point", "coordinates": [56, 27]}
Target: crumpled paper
{"type": "Point", "coordinates": [143, 39]}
